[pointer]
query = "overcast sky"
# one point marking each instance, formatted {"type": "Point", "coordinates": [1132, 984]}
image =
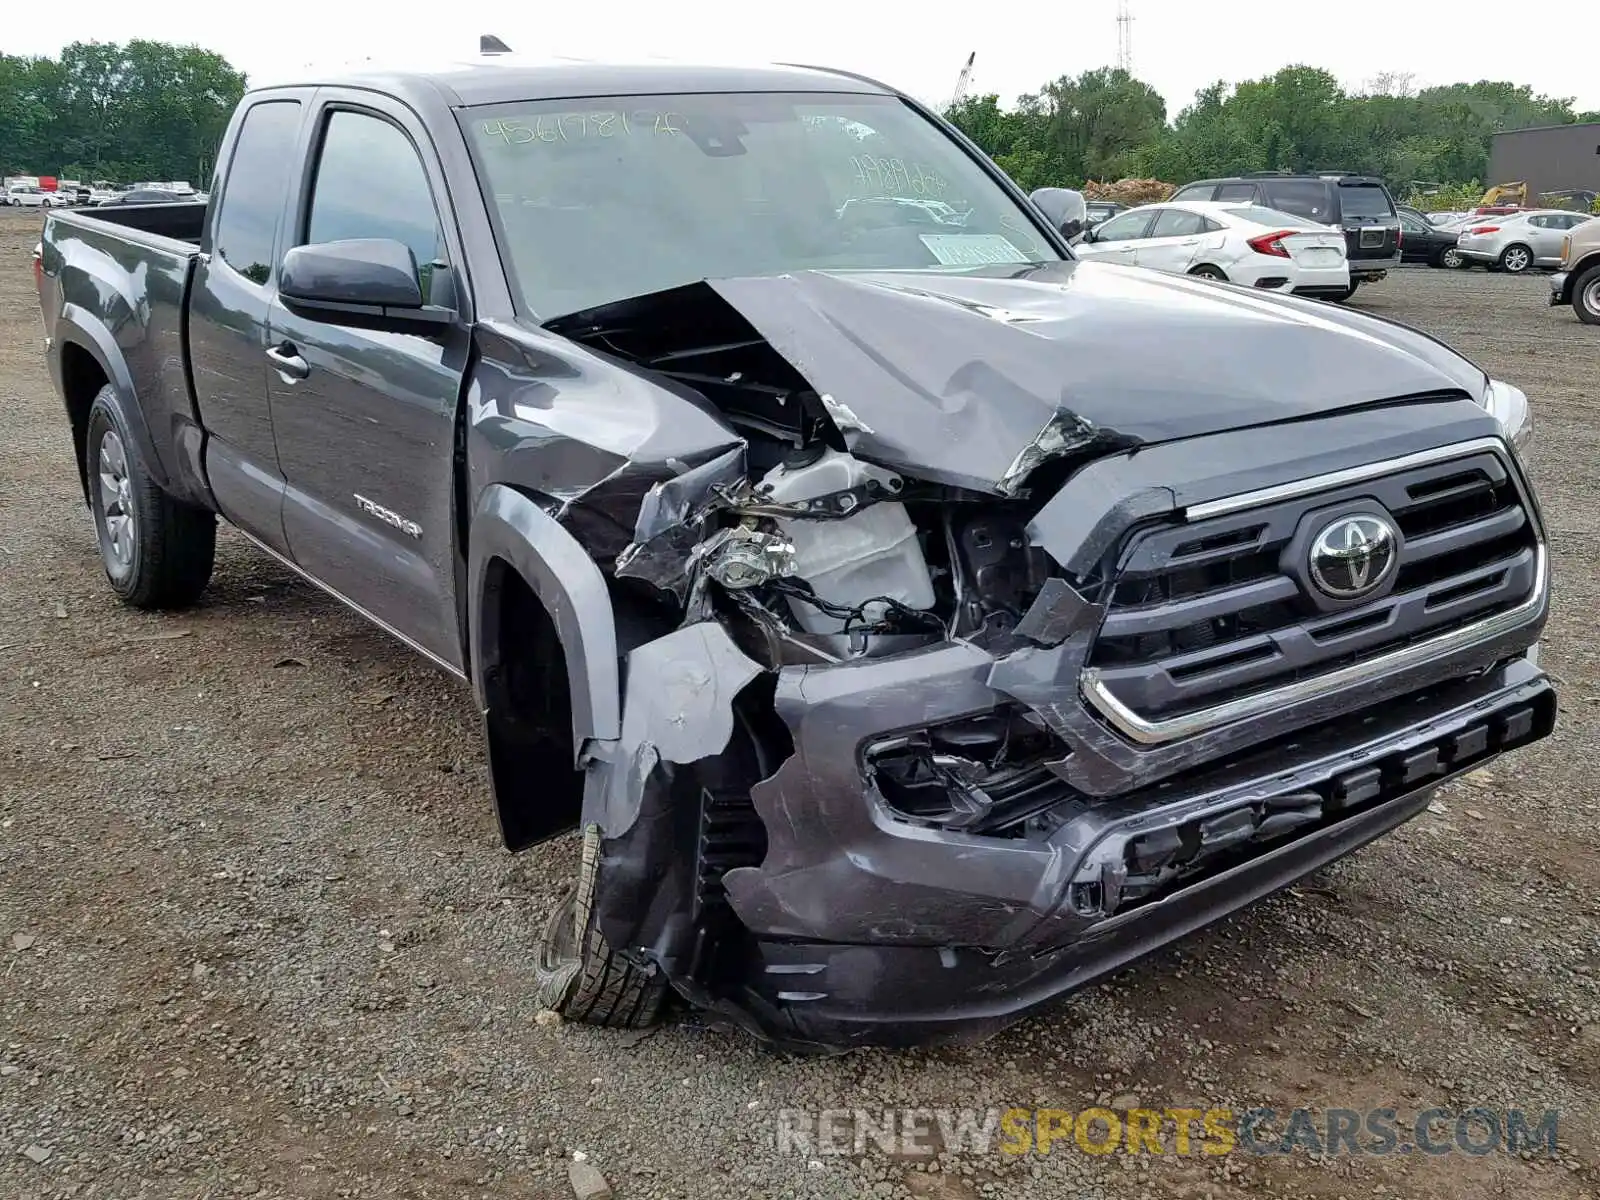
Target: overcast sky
{"type": "Point", "coordinates": [1178, 46]}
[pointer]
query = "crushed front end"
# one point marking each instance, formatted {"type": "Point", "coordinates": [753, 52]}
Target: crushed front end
{"type": "Point", "coordinates": [922, 756]}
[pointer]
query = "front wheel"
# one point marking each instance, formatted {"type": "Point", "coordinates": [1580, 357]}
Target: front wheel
{"type": "Point", "coordinates": [1514, 260]}
{"type": "Point", "coordinates": [156, 551]}
{"type": "Point", "coordinates": [1586, 296]}
{"type": "Point", "coordinates": [582, 978]}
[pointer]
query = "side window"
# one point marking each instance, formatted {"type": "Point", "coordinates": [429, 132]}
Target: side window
{"type": "Point", "coordinates": [1539, 222]}
{"type": "Point", "coordinates": [1122, 228]}
{"type": "Point", "coordinates": [1207, 225]}
{"type": "Point", "coordinates": [1174, 222]}
{"type": "Point", "coordinates": [1195, 191]}
{"type": "Point", "coordinates": [1237, 191]}
{"type": "Point", "coordinates": [370, 184]}
{"type": "Point", "coordinates": [253, 190]}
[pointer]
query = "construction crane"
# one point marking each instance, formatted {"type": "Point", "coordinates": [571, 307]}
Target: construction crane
{"type": "Point", "coordinates": [963, 81]}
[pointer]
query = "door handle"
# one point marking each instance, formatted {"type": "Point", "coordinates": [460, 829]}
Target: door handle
{"type": "Point", "coordinates": [289, 364]}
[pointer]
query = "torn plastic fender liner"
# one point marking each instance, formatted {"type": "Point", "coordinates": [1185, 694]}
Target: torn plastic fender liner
{"type": "Point", "coordinates": [509, 526]}
{"type": "Point", "coordinates": [642, 791]}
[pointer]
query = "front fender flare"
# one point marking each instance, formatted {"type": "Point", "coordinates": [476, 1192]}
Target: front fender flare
{"type": "Point", "coordinates": [509, 526]}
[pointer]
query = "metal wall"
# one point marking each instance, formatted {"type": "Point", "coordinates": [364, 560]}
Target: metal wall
{"type": "Point", "coordinates": [1548, 158]}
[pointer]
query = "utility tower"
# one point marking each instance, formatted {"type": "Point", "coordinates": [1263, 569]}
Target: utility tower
{"type": "Point", "coordinates": [1124, 37]}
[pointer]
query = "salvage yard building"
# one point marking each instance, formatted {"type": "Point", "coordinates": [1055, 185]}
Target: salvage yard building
{"type": "Point", "coordinates": [1549, 158]}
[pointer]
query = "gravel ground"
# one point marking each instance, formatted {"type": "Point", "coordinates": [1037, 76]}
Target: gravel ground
{"type": "Point", "coordinates": [257, 936]}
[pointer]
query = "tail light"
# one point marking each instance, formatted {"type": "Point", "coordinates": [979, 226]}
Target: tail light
{"type": "Point", "coordinates": [1269, 244]}
{"type": "Point", "coordinates": [1477, 229]}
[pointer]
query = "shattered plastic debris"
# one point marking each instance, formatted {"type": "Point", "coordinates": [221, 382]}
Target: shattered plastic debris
{"type": "Point", "coordinates": [843, 416]}
{"type": "Point", "coordinates": [1063, 433]}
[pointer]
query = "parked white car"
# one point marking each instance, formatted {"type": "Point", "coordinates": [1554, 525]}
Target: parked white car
{"type": "Point", "coordinates": [20, 195]}
{"type": "Point", "coordinates": [1516, 241]}
{"type": "Point", "coordinates": [1240, 243]}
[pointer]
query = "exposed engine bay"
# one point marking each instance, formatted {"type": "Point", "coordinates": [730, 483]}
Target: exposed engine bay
{"type": "Point", "coordinates": [817, 554]}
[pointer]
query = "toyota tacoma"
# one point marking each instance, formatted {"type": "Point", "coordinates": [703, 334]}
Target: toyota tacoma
{"type": "Point", "coordinates": [913, 623]}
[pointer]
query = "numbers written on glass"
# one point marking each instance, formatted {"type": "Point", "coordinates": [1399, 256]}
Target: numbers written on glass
{"type": "Point", "coordinates": [877, 176]}
{"type": "Point", "coordinates": [579, 126]}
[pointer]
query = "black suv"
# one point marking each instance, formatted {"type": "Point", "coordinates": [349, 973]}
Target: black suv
{"type": "Point", "coordinates": [1358, 204]}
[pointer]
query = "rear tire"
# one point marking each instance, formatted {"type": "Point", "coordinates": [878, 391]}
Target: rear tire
{"type": "Point", "coordinates": [583, 979]}
{"type": "Point", "coordinates": [156, 551]}
{"type": "Point", "coordinates": [1348, 292]}
{"type": "Point", "coordinates": [1586, 296]}
{"type": "Point", "coordinates": [1207, 271]}
{"type": "Point", "coordinates": [1516, 259]}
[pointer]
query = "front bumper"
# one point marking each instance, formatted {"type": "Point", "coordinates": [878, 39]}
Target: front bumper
{"type": "Point", "coordinates": [870, 930]}
{"type": "Point", "coordinates": [1558, 289]}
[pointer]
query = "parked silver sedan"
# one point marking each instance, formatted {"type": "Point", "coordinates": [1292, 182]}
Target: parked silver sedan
{"type": "Point", "coordinates": [1515, 242]}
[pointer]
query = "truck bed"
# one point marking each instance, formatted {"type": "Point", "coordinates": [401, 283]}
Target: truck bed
{"type": "Point", "coordinates": [162, 223]}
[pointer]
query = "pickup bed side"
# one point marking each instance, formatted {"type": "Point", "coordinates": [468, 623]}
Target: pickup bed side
{"type": "Point", "coordinates": [116, 285]}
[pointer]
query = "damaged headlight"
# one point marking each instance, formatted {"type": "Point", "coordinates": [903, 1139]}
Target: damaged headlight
{"type": "Point", "coordinates": [1509, 406]}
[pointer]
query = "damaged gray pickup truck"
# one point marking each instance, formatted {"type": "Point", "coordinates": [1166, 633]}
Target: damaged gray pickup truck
{"type": "Point", "coordinates": [915, 623]}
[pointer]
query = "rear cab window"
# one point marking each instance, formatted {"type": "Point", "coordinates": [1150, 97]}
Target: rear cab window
{"type": "Point", "coordinates": [254, 188]}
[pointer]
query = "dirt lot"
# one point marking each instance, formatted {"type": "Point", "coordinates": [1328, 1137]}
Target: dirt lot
{"type": "Point", "coordinates": [257, 935]}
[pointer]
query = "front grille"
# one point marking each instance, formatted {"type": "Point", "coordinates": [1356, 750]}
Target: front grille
{"type": "Point", "coordinates": [1215, 610]}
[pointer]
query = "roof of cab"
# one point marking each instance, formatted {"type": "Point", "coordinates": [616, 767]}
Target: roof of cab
{"type": "Point", "coordinates": [503, 78]}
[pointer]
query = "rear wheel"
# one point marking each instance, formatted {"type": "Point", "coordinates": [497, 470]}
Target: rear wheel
{"type": "Point", "coordinates": [1516, 259]}
{"type": "Point", "coordinates": [157, 552]}
{"type": "Point", "coordinates": [1348, 292]}
{"type": "Point", "coordinates": [1586, 296]}
{"type": "Point", "coordinates": [1207, 271]}
{"type": "Point", "coordinates": [1450, 258]}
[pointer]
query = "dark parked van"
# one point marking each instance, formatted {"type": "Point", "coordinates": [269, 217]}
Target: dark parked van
{"type": "Point", "coordinates": [1358, 204]}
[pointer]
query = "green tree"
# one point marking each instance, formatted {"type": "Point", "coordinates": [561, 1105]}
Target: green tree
{"type": "Point", "coordinates": [146, 110]}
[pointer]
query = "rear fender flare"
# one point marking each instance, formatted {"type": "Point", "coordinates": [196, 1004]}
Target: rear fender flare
{"type": "Point", "coordinates": [509, 526]}
{"type": "Point", "coordinates": [76, 326]}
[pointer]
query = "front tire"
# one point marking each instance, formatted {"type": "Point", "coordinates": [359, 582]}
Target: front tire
{"type": "Point", "coordinates": [582, 978]}
{"type": "Point", "coordinates": [156, 551]}
{"type": "Point", "coordinates": [1586, 296]}
{"type": "Point", "coordinates": [1516, 259]}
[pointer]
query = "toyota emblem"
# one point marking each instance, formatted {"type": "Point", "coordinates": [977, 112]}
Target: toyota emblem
{"type": "Point", "coordinates": [1353, 556]}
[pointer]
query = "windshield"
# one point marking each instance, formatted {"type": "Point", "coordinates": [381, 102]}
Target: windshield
{"type": "Point", "coordinates": [605, 198]}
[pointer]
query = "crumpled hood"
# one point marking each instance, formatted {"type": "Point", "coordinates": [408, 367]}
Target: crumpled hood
{"type": "Point", "coordinates": [953, 377]}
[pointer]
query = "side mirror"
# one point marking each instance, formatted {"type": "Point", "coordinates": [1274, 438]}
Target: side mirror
{"type": "Point", "coordinates": [368, 283]}
{"type": "Point", "coordinates": [1064, 208]}
{"type": "Point", "coordinates": [1087, 235]}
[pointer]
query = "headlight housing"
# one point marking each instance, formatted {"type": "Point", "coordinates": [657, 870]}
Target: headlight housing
{"type": "Point", "coordinates": [1509, 406]}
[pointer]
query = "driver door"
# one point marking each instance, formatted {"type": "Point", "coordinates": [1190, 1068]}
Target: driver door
{"type": "Point", "coordinates": [365, 420]}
